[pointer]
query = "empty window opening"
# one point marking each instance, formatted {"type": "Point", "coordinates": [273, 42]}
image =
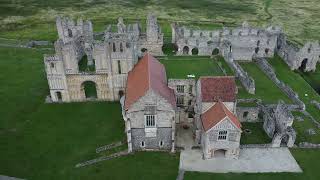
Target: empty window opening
{"type": "Point", "coordinates": [185, 50]}
{"type": "Point", "coordinates": [119, 67]}
{"type": "Point", "coordinates": [59, 96]}
{"type": "Point", "coordinates": [70, 33]}
{"type": "Point", "coordinates": [267, 50]}
{"type": "Point", "coordinates": [143, 50]}
{"type": "Point", "coordinates": [195, 51]}
{"type": "Point", "coordinates": [256, 50]}
{"type": "Point", "coordinates": [190, 89]}
{"type": "Point", "coordinates": [142, 144]}
{"type": "Point", "coordinates": [303, 64]}
{"type": "Point", "coordinates": [245, 114]}
{"type": "Point", "coordinates": [114, 47]}
{"type": "Point", "coordinates": [215, 52]}
{"type": "Point", "coordinates": [52, 65]}
{"type": "Point", "coordinates": [90, 89]}
{"type": "Point", "coordinates": [121, 47]}
{"type": "Point", "coordinates": [161, 143]}
{"type": "Point", "coordinates": [222, 135]}
{"type": "Point", "coordinates": [120, 93]}
{"type": "Point", "coordinates": [258, 43]}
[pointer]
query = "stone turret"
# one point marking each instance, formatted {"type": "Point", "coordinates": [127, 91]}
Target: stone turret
{"type": "Point", "coordinates": [153, 29]}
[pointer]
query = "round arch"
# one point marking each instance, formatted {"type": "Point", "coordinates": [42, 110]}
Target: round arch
{"type": "Point", "coordinates": [185, 50]}
{"type": "Point", "coordinates": [90, 89]}
{"type": "Point", "coordinates": [215, 51]}
{"type": "Point", "coordinates": [195, 51]}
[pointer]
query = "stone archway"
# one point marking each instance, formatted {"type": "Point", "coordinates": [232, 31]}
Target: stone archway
{"type": "Point", "coordinates": [143, 50]}
{"type": "Point", "coordinates": [195, 51]}
{"type": "Point", "coordinates": [58, 96]}
{"type": "Point", "coordinates": [185, 50]}
{"type": "Point", "coordinates": [120, 94]}
{"type": "Point", "coordinates": [303, 65]}
{"type": "Point", "coordinates": [215, 51]}
{"type": "Point", "coordinates": [220, 153]}
{"type": "Point", "coordinates": [90, 89]}
{"type": "Point", "coordinates": [284, 140]}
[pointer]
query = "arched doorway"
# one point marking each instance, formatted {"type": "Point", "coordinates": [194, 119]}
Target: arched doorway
{"type": "Point", "coordinates": [257, 50]}
{"type": "Point", "coordinates": [90, 89]}
{"type": "Point", "coordinates": [59, 96]}
{"type": "Point", "coordinates": [267, 51]}
{"type": "Point", "coordinates": [220, 153]}
{"type": "Point", "coordinates": [195, 51]}
{"type": "Point", "coordinates": [120, 94]}
{"type": "Point", "coordinates": [303, 65]}
{"type": "Point", "coordinates": [169, 49]}
{"type": "Point", "coordinates": [143, 50]}
{"type": "Point", "coordinates": [186, 50]}
{"type": "Point", "coordinates": [215, 52]}
{"type": "Point", "coordinates": [284, 140]}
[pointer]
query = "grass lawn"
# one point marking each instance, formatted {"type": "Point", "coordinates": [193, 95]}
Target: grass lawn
{"type": "Point", "coordinates": [265, 88]}
{"type": "Point", "coordinates": [305, 158]}
{"type": "Point", "coordinates": [301, 128]}
{"type": "Point", "coordinates": [179, 67]}
{"type": "Point", "coordinates": [313, 78]}
{"type": "Point", "coordinates": [298, 84]}
{"type": "Point", "coordinates": [256, 136]}
{"type": "Point", "coordinates": [45, 141]}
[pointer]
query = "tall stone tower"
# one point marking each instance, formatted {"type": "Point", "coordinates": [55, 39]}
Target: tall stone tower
{"type": "Point", "coordinates": [153, 29]}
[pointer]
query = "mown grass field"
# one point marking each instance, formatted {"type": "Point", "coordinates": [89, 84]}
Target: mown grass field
{"type": "Point", "coordinates": [34, 19]}
{"type": "Point", "coordinates": [256, 134]}
{"type": "Point", "coordinates": [265, 88]}
{"type": "Point", "coordinates": [179, 67]}
{"type": "Point", "coordinates": [45, 141]}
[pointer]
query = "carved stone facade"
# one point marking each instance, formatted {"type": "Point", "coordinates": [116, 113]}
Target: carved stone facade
{"type": "Point", "coordinates": [106, 61]}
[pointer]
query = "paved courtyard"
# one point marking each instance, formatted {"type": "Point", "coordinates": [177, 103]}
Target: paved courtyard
{"type": "Point", "coordinates": [251, 160]}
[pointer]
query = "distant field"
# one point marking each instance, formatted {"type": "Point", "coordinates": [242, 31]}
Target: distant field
{"type": "Point", "coordinates": [34, 19]}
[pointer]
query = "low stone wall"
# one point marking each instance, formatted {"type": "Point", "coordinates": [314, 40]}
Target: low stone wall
{"type": "Point", "coordinates": [316, 103]}
{"type": "Point", "coordinates": [269, 71]}
{"type": "Point", "coordinates": [247, 81]}
{"type": "Point", "coordinates": [255, 146]}
{"type": "Point", "coordinates": [248, 114]}
{"type": "Point", "coordinates": [308, 145]}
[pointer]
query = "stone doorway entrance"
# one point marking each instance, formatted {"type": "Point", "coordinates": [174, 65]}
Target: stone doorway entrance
{"type": "Point", "coordinates": [218, 153]}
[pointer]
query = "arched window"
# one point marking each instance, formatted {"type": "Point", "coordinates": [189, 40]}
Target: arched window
{"type": "Point", "coordinates": [52, 65]}
{"type": "Point", "coordinates": [258, 43]}
{"type": "Point", "coordinates": [114, 47]}
{"type": "Point", "coordinates": [70, 33]}
{"type": "Point", "coordinates": [185, 50]}
{"type": "Point", "coordinates": [121, 47]}
{"type": "Point", "coordinates": [90, 89]}
{"type": "Point", "coordinates": [201, 34]}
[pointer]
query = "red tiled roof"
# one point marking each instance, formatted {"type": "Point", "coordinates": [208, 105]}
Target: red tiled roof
{"type": "Point", "coordinates": [216, 114]}
{"type": "Point", "coordinates": [218, 88]}
{"type": "Point", "coordinates": [147, 74]}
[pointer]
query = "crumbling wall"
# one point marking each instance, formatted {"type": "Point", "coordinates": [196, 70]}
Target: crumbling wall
{"type": "Point", "coordinates": [305, 57]}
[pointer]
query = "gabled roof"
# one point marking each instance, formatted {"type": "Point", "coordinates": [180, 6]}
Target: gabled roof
{"type": "Point", "coordinates": [216, 88]}
{"type": "Point", "coordinates": [216, 114]}
{"type": "Point", "coordinates": [148, 74]}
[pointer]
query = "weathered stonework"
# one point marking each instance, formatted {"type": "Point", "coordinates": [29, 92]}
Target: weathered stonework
{"type": "Point", "coordinates": [112, 58]}
{"type": "Point", "coordinates": [278, 125]}
{"type": "Point", "coordinates": [248, 114]}
{"type": "Point", "coordinates": [245, 42]}
{"type": "Point", "coordinates": [305, 57]}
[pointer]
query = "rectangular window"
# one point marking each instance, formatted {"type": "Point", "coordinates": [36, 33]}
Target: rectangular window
{"type": "Point", "coordinates": [119, 67]}
{"type": "Point", "coordinates": [180, 101]}
{"type": "Point", "coordinates": [150, 121]}
{"type": "Point", "coordinates": [190, 89]}
{"type": "Point", "coordinates": [222, 135]}
{"type": "Point", "coordinates": [180, 88]}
